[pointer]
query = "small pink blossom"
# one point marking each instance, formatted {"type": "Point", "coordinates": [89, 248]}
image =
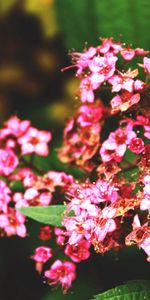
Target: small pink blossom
{"type": "Point", "coordinates": [62, 273]}
{"type": "Point", "coordinates": [86, 89]}
{"type": "Point", "coordinates": [123, 81]}
{"type": "Point", "coordinates": [146, 61]}
{"type": "Point", "coordinates": [136, 145]}
{"type": "Point", "coordinates": [128, 53]}
{"type": "Point", "coordinates": [8, 162]}
{"type": "Point", "coordinates": [19, 200]}
{"type": "Point", "coordinates": [82, 60]}
{"type": "Point", "coordinates": [35, 141]}
{"type": "Point", "coordinates": [17, 127]}
{"type": "Point", "coordinates": [116, 144]}
{"type": "Point", "coordinates": [45, 233]}
{"type": "Point", "coordinates": [109, 46]}
{"type": "Point", "coordinates": [34, 198]}
{"type": "Point", "coordinates": [145, 203]}
{"type": "Point", "coordinates": [5, 193]}
{"type": "Point", "coordinates": [13, 223]}
{"type": "Point", "coordinates": [139, 85]}
{"type": "Point", "coordinates": [124, 101]}
{"type": "Point", "coordinates": [140, 51]}
{"type": "Point", "coordinates": [103, 66]}
{"type": "Point", "coordinates": [61, 235]}
{"type": "Point", "coordinates": [89, 115]}
{"type": "Point", "coordinates": [79, 251]}
{"type": "Point", "coordinates": [140, 235]}
{"type": "Point", "coordinates": [42, 254]}
{"type": "Point", "coordinates": [25, 175]}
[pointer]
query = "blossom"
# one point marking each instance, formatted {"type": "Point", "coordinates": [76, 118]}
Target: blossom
{"type": "Point", "coordinates": [61, 235]}
{"type": "Point", "coordinates": [79, 251]}
{"type": "Point", "coordinates": [116, 144]}
{"type": "Point", "coordinates": [45, 233]}
{"type": "Point", "coordinates": [86, 89]}
{"type": "Point", "coordinates": [145, 202]}
{"type": "Point", "coordinates": [35, 141]}
{"type": "Point", "coordinates": [13, 223]}
{"type": "Point", "coordinates": [82, 60]}
{"type": "Point", "coordinates": [5, 194]}
{"type": "Point", "coordinates": [17, 127]}
{"type": "Point", "coordinates": [123, 81]}
{"type": "Point", "coordinates": [34, 198]}
{"type": "Point", "coordinates": [124, 101]}
{"type": "Point", "coordinates": [128, 53]}
{"type": "Point", "coordinates": [103, 66]}
{"type": "Point", "coordinates": [109, 46]}
{"type": "Point", "coordinates": [42, 254]}
{"type": "Point", "coordinates": [62, 273]}
{"type": "Point", "coordinates": [136, 145]}
{"type": "Point", "coordinates": [89, 114]}
{"type": "Point", "coordinates": [8, 161]}
{"type": "Point", "coordinates": [140, 235]}
{"type": "Point", "coordinates": [146, 62]}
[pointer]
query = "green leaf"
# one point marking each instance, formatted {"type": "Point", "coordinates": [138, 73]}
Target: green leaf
{"type": "Point", "coordinates": [52, 214]}
{"type": "Point", "coordinates": [133, 290]}
{"type": "Point", "coordinates": [130, 156]}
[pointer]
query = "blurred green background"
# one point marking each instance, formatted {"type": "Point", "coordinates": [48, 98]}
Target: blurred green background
{"type": "Point", "coordinates": [35, 37]}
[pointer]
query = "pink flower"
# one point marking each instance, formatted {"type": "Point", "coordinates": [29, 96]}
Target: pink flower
{"type": "Point", "coordinates": [124, 101]}
{"type": "Point", "coordinates": [136, 145]}
{"type": "Point", "coordinates": [61, 235]}
{"type": "Point", "coordinates": [13, 223]}
{"type": "Point", "coordinates": [79, 251]}
{"type": "Point", "coordinates": [25, 175]}
{"type": "Point", "coordinates": [42, 254]}
{"type": "Point", "coordinates": [53, 179]}
{"type": "Point", "coordinates": [86, 89]}
{"type": "Point", "coordinates": [82, 59]}
{"type": "Point", "coordinates": [5, 193]}
{"type": "Point", "coordinates": [145, 245]}
{"type": "Point", "coordinates": [45, 233]}
{"type": "Point", "coordinates": [62, 273]}
{"type": "Point", "coordinates": [103, 66]}
{"type": "Point", "coordinates": [89, 115]}
{"type": "Point", "coordinates": [19, 200]}
{"type": "Point", "coordinates": [139, 85]}
{"type": "Point", "coordinates": [108, 46]}
{"type": "Point", "coordinates": [34, 198]}
{"type": "Point", "coordinates": [140, 51]}
{"type": "Point", "coordinates": [101, 229]}
{"type": "Point", "coordinates": [145, 203]}
{"type": "Point", "coordinates": [147, 65]}
{"type": "Point", "coordinates": [123, 81]}
{"type": "Point", "coordinates": [35, 141]}
{"type": "Point", "coordinates": [8, 162]}
{"type": "Point", "coordinates": [128, 53]}
{"type": "Point", "coordinates": [17, 127]}
{"type": "Point", "coordinates": [77, 228]}
{"type": "Point", "coordinates": [116, 144]}
{"type": "Point", "coordinates": [140, 235]}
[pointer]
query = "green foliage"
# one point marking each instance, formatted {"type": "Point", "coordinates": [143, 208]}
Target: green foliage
{"type": "Point", "coordinates": [133, 290]}
{"type": "Point", "coordinates": [52, 214]}
{"type": "Point", "coordinates": [86, 20]}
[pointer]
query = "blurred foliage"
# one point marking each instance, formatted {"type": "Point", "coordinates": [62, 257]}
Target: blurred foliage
{"type": "Point", "coordinates": [86, 20]}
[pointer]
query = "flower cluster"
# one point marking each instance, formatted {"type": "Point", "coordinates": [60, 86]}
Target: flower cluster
{"type": "Point", "coordinates": [109, 139]}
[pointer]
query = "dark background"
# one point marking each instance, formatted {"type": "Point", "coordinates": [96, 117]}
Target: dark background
{"type": "Point", "coordinates": [35, 36]}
